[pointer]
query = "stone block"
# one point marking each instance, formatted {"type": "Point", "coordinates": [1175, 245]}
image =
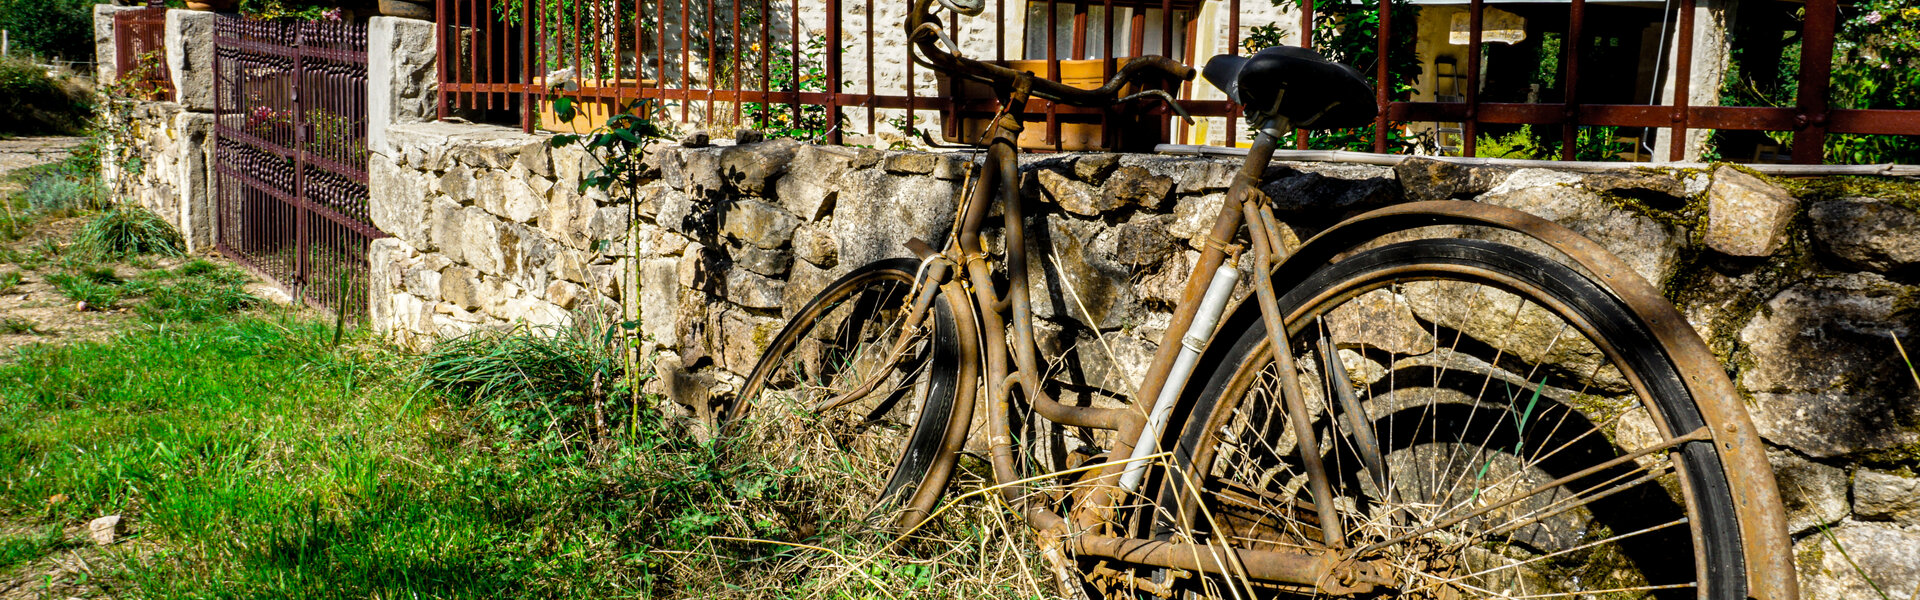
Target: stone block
{"type": "Point", "coordinates": [743, 336]}
{"type": "Point", "coordinates": [1859, 560]}
{"type": "Point", "coordinates": [814, 243]}
{"type": "Point", "coordinates": [1074, 276]}
{"type": "Point", "coordinates": [910, 163]}
{"type": "Point", "coordinates": [1886, 496]}
{"type": "Point", "coordinates": [189, 39]}
{"type": "Point", "coordinates": [478, 241]}
{"type": "Point", "coordinates": [194, 143]}
{"type": "Point", "coordinates": [402, 67]}
{"type": "Point", "coordinates": [1867, 233]}
{"type": "Point", "coordinates": [1133, 185]}
{"type": "Point", "coordinates": [107, 530]}
{"type": "Point", "coordinates": [952, 167]}
{"type": "Point", "coordinates": [460, 287]}
{"type": "Point", "coordinates": [754, 259]}
{"type": "Point", "coordinates": [398, 203]}
{"type": "Point", "coordinates": [1815, 495]}
{"type": "Point", "coordinates": [1747, 216]}
{"type": "Point", "coordinates": [1094, 168]}
{"type": "Point", "coordinates": [1428, 179]}
{"type": "Point", "coordinates": [1074, 196]}
{"type": "Point", "coordinates": [1327, 191]}
{"type": "Point", "coordinates": [537, 158]}
{"type": "Point", "coordinates": [501, 299]}
{"type": "Point", "coordinates": [514, 195]}
{"type": "Point", "coordinates": [752, 168]}
{"type": "Point", "coordinates": [659, 293]}
{"type": "Point", "coordinates": [609, 224]}
{"type": "Point", "coordinates": [877, 213]}
{"type": "Point", "coordinates": [812, 182]}
{"type": "Point", "coordinates": [1190, 175]}
{"type": "Point", "coordinates": [1808, 346]}
{"type": "Point", "coordinates": [1651, 248]}
{"type": "Point", "coordinates": [758, 223]}
{"type": "Point", "coordinates": [751, 290]}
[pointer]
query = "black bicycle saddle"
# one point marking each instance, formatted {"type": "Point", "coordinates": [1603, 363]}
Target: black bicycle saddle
{"type": "Point", "coordinates": [1320, 94]}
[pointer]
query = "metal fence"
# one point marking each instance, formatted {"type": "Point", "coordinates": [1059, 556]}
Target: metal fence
{"type": "Point", "coordinates": [140, 51]}
{"type": "Point", "coordinates": [753, 63]}
{"type": "Point", "coordinates": [291, 154]}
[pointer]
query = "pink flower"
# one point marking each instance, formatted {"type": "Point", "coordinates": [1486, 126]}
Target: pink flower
{"type": "Point", "coordinates": [1873, 18]}
{"type": "Point", "coordinates": [334, 15]}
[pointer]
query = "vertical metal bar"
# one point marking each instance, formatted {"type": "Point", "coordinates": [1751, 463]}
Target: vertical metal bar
{"type": "Point", "coordinates": [526, 66]}
{"type": "Point", "coordinates": [1187, 55]}
{"type": "Point", "coordinates": [1106, 40]}
{"type": "Point", "coordinates": [1383, 90]}
{"type": "Point", "coordinates": [1078, 40]}
{"type": "Point", "coordinates": [1053, 71]}
{"type": "Point", "coordinates": [686, 56]}
{"type": "Point", "coordinates": [1306, 41]}
{"type": "Point", "coordinates": [833, 72]}
{"type": "Point", "coordinates": [712, 81]}
{"type": "Point", "coordinates": [299, 166]}
{"type": "Point", "coordinates": [766, 52]}
{"type": "Point", "coordinates": [1682, 80]}
{"type": "Point", "coordinates": [871, 93]}
{"type": "Point", "coordinates": [907, 50]}
{"type": "Point", "coordinates": [794, 65]}
{"type": "Point", "coordinates": [1570, 129]}
{"type": "Point", "coordinates": [1816, 69]}
{"type": "Point", "coordinates": [1232, 131]}
{"type": "Point", "coordinates": [1470, 129]}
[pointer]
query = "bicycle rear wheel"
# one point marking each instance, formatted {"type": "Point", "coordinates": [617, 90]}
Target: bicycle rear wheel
{"type": "Point", "coordinates": [1491, 423]}
{"type": "Point", "coordinates": [860, 335]}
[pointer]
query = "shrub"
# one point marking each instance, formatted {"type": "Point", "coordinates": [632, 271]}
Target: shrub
{"type": "Point", "coordinates": [535, 383]}
{"type": "Point", "coordinates": [128, 231]}
{"type": "Point", "coordinates": [32, 102]}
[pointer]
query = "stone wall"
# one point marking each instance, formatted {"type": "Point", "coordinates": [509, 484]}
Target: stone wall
{"type": "Point", "coordinates": [1800, 286]}
{"type": "Point", "coordinates": [174, 174]}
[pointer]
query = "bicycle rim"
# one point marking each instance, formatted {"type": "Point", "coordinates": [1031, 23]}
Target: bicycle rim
{"type": "Point", "coordinates": [867, 456]}
{"type": "Point", "coordinates": [1492, 382]}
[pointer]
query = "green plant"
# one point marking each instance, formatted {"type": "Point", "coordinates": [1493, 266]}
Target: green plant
{"type": "Point", "coordinates": [786, 71]}
{"type": "Point", "coordinates": [10, 280]}
{"type": "Point", "coordinates": [32, 102]}
{"type": "Point", "coordinates": [193, 292]}
{"type": "Point", "coordinates": [16, 326]}
{"type": "Point", "coordinates": [62, 28]}
{"type": "Point", "coordinates": [1876, 52]}
{"type": "Point", "coordinates": [533, 382]}
{"type": "Point", "coordinates": [128, 231]}
{"type": "Point", "coordinates": [291, 10]}
{"type": "Point", "coordinates": [61, 194]}
{"type": "Point", "coordinates": [79, 288]}
{"type": "Point", "coordinates": [32, 546]}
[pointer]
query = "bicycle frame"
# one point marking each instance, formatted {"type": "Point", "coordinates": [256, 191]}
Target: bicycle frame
{"type": "Point", "coordinates": [999, 351]}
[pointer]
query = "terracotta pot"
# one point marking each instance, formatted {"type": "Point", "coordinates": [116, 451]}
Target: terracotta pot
{"type": "Point", "coordinates": [211, 5]}
{"type": "Point", "coordinates": [411, 9]}
{"type": "Point", "coordinates": [588, 115]}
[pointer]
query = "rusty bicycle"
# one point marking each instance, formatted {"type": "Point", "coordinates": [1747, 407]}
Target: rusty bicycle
{"type": "Point", "coordinates": [1431, 400]}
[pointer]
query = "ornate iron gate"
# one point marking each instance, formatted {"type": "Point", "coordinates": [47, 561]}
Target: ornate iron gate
{"type": "Point", "coordinates": [291, 155]}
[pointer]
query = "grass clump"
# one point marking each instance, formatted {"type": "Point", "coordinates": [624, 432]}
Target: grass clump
{"type": "Point", "coordinates": [194, 292]}
{"type": "Point", "coordinates": [126, 231]}
{"type": "Point", "coordinates": [86, 289]}
{"type": "Point", "coordinates": [30, 547]}
{"type": "Point", "coordinates": [10, 280]}
{"type": "Point", "coordinates": [535, 382]}
{"type": "Point", "coordinates": [16, 326]}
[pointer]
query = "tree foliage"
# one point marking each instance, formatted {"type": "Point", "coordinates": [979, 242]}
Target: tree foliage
{"type": "Point", "coordinates": [1349, 33]}
{"type": "Point", "coordinates": [58, 28]}
{"type": "Point", "coordinates": [1875, 55]}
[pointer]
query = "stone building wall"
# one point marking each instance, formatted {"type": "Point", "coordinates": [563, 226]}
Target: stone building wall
{"type": "Point", "coordinates": [173, 177]}
{"type": "Point", "coordinates": [1801, 289]}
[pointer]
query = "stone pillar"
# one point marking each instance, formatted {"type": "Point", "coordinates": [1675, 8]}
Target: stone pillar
{"type": "Point", "coordinates": [1711, 50]}
{"type": "Point", "coordinates": [104, 69]}
{"type": "Point", "coordinates": [401, 76]}
{"type": "Point", "coordinates": [195, 145]}
{"type": "Point", "coordinates": [190, 58]}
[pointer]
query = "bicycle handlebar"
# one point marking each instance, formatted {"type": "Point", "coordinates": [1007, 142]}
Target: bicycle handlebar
{"type": "Point", "coordinates": [923, 30]}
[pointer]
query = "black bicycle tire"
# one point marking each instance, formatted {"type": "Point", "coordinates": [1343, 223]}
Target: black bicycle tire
{"type": "Point", "coordinates": [1711, 498]}
{"type": "Point", "coordinates": [929, 432]}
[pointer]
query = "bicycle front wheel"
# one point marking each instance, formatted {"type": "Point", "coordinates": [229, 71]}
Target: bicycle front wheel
{"type": "Point", "coordinates": [1490, 424]}
{"type": "Point", "coordinates": [857, 390]}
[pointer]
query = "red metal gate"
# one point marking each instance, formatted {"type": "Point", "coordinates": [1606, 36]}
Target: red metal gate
{"type": "Point", "coordinates": [291, 155]}
{"type": "Point", "coordinates": [140, 50]}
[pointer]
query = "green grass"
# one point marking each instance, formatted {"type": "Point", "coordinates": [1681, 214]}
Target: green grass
{"type": "Point", "coordinates": [195, 291]}
{"type": "Point", "coordinates": [26, 548]}
{"type": "Point", "coordinates": [254, 458]}
{"type": "Point", "coordinates": [10, 280]}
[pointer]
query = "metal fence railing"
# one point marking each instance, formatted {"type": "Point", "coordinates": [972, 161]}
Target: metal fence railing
{"type": "Point", "coordinates": [290, 122]}
{"type": "Point", "coordinates": [835, 69]}
{"type": "Point", "coordinates": [140, 51]}
{"type": "Point", "coordinates": [797, 67]}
